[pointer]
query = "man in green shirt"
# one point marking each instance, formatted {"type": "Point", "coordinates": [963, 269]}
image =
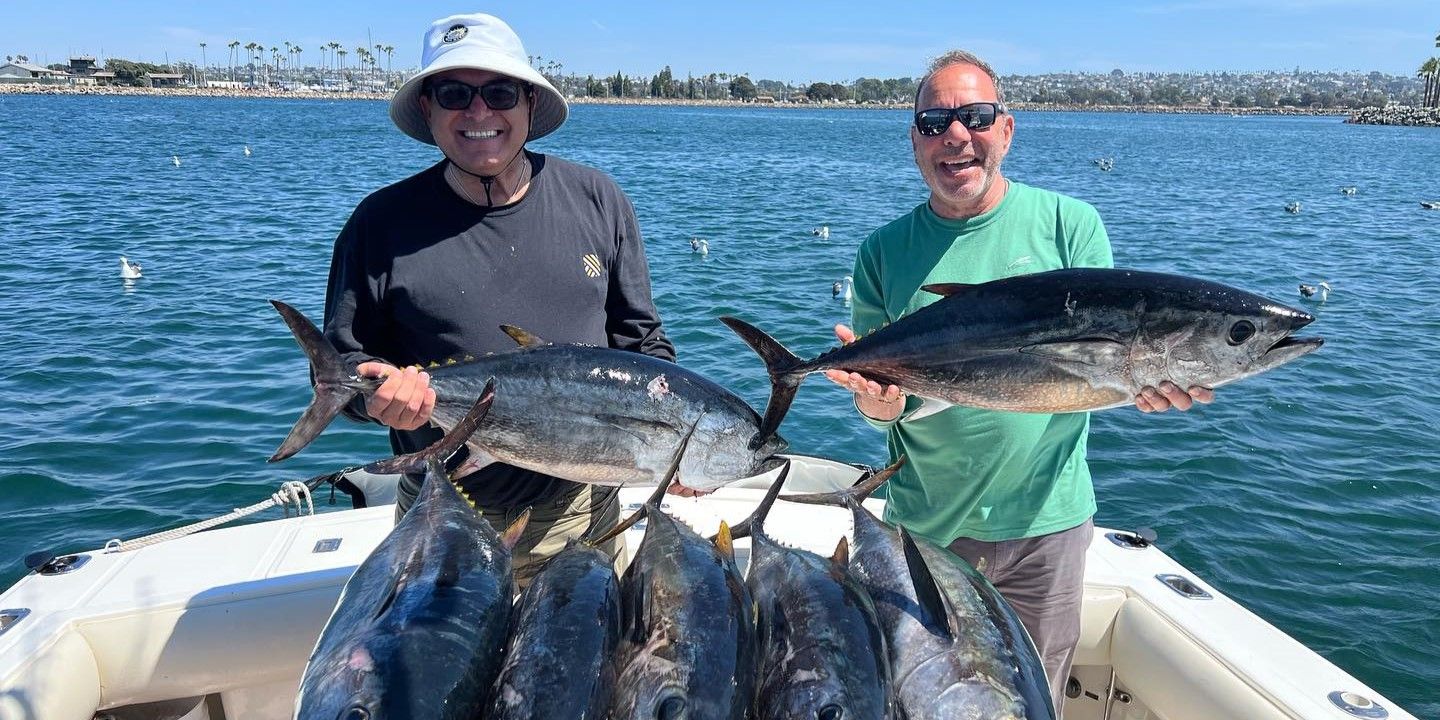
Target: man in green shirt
{"type": "Point", "coordinates": [1009, 492]}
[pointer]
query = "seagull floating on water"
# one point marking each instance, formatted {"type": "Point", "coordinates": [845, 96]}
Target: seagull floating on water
{"type": "Point", "coordinates": [841, 289]}
{"type": "Point", "coordinates": [128, 270]}
{"type": "Point", "coordinates": [700, 245]}
{"type": "Point", "coordinates": [1292, 208]}
{"type": "Point", "coordinates": [1349, 190]}
{"type": "Point", "coordinates": [1430, 204]}
{"type": "Point", "coordinates": [822, 231]}
{"type": "Point", "coordinates": [247, 151]}
{"type": "Point", "coordinates": [1309, 290]}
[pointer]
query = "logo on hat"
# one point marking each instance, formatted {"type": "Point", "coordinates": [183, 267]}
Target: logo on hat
{"type": "Point", "coordinates": [456, 33]}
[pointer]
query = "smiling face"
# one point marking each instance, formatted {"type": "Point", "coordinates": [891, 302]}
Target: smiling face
{"type": "Point", "coordinates": [478, 139]}
{"type": "Point", "coordinates": [962, 167]}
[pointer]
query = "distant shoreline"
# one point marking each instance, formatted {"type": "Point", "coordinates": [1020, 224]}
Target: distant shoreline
{"type": "Point", "coordinates": [120, 90]}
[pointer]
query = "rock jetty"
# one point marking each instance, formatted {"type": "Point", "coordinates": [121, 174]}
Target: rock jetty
{"type": "Point", "coordinates": [1396, 115]}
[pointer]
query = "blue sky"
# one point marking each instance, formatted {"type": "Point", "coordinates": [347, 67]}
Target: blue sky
{"type": "Point", "coordinates": [799, 42]}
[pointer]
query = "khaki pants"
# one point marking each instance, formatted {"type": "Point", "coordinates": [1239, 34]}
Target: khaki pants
{"type": "Point", "coordinates": [552, 526]}
{"type": "Point", "coordinates": [1043, 578]}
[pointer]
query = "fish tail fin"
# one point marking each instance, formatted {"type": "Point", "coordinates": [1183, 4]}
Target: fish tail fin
{"type": "Point", "coordinates": [334, 385]}
{"type": "Point", "coordinates": [786, 370]}
{"type": "Point", "coordinates": [853, 495]}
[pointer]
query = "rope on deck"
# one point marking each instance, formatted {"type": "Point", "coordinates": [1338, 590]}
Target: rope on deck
{"type": "Point", "coordinates": [291, 491]}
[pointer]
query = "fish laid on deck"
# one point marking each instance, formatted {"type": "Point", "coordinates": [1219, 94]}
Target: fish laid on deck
{"type": "Point", "coordinates": [1058, 341]}
{"type": "Point", "coordinates": [822, 652]}
{"type": "Point", "coordinates": [688, 629]}
{"type": "Point", "coordinates": [419, 629]}
{"type": "Point", "coordinates": [582, 413]}
{"type": "Point", "coordinates": [956, 647]}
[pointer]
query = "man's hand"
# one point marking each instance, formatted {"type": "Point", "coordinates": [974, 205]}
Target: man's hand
{"type": "Point", "coordinates": [877, 402]}
{"type": "Point", "coordinates": [404, 401]}
{"type": "Point", "coordinates": [1158, 400]}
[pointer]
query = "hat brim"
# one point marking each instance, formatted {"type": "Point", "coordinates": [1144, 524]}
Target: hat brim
{"type": "Point", "coordinates": [548, 114]}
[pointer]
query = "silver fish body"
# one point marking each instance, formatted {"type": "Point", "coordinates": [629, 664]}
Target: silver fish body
{"type": "Point", "coordinates": [955, 651]}
{"type": "Point", "coordinates": [1059, 341]}
{"type": "Point", "coordinates": [582, 413]}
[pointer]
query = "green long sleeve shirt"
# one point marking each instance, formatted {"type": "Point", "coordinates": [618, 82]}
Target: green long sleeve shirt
{"type": "Point", "coordinates": [983, 474]}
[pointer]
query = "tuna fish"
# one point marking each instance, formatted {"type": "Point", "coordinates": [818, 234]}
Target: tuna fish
{"type": "Point", "coordinates": [560, 662]}
{"type": "Point", "coordinates": [822, 653]}
{"type": "Point", "coordinates": [956, 648]}
{"type": "Point", "coordinates": [1059, 341]}
{"type": "Point", "coordinates": [687, 646]}
{"type": "Point", "coordinates": [419, 629]}
{"type": "Point", "coordinates": [582, 413]}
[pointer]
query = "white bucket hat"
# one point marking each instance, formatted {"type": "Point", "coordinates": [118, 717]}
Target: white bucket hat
{"type": "Point", "coordinates": [477, 42]}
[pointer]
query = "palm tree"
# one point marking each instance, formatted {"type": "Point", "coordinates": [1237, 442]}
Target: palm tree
{"type": "Point", "coordinates": [233, 45]}
{"type": "Point", "coordinates": [1430, 70]}
{"type": "Point", "coordinates": [202, 64]}
{"type": "Point", "coordinates": [389, 51]}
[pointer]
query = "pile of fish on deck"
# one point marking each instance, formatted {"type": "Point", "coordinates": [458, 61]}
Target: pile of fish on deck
{"type": "Point", "coordinates": [889, 626]}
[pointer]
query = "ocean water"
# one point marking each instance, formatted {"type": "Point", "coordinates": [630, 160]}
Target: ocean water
{"type": "Point", "coordinates": [1310, 494]}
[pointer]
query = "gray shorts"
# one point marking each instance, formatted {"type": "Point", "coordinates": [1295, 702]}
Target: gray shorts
{"type": "Point", "coordinates": [1044, 579]}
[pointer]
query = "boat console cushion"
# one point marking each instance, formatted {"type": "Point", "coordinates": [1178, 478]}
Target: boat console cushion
{"type": "Point", "coordinates": [1178, 678]}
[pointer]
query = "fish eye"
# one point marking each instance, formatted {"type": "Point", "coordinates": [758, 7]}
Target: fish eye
{"type": "Point", "coordinates": [355, 712]}
{"type": "Point", "coordinates": [672, 708]}
{"type": "Point", "coordinates": [1241, 331]}
{"type": "Point", "coordinates": [830, 712]}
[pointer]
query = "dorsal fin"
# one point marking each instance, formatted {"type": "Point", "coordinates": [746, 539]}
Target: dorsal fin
{"type": "Point", "coordinates": [756, 521]}
{"type": "Point", "coordinates": [522, 337]}
{"type": "Point", "coordinates": [512, 534]}
{"type": "Point", "coordinates": [934, 613]}
{"type": "Point", "coordinates": [946, 289]}
{"type": "Point", "coordinates": [841, 557]}
{"type": "Point", "coordinates": [724, 542]}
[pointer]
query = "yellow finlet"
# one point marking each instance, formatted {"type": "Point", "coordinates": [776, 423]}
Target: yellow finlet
{"type": "Point", "coordinates": [723, 541]}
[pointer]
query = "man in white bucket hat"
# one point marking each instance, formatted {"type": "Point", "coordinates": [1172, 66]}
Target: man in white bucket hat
{"type": "Point", "coordinates": [429, 268]}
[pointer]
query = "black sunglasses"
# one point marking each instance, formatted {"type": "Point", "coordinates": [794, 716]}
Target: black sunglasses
{"type": "Point", "coordinates": [974, 116]}
{"type": "Point", "coordinates": [456, 95]}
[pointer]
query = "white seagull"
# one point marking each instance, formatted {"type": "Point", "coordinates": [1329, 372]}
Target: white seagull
{"type": "Point", "coordinates": [699, 245]}
{"type": "Point", "coordinates": [247, 151]}
{"type": "Point", "coordinates": [822, 231]}
{"type": "Point", "coordinates": [841, 288]}
{"type": "Point", "coordinates": [1292, 208]}
{"type": "Point", "coordinates": [1349, 190]}
{"type": "Point", "coordinates": [1309, 290]}
{"type": "Point", "coordinates": [128, 270]}
{"type": "Point", "coordinates": [175, 160]}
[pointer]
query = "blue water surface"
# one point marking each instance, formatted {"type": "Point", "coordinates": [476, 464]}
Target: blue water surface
{"type": "Point", "coordinates": [1310, 494]}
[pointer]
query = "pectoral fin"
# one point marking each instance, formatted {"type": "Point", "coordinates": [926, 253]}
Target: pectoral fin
{"type": "Point", "coordinates": [934, 612]}
{"type": "Point", "coordinates": [928, 408]}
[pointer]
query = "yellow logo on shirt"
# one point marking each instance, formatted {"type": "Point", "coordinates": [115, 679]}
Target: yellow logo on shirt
{"type": "Point", "coordinates": [592, 265]}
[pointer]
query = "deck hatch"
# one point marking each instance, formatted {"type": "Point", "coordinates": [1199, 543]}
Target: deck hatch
{"type": "Point", "coordinates": [326, 545]}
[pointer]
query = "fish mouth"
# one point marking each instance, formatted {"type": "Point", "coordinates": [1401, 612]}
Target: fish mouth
{"type": "Point", "coordinates": [1290, 347]}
